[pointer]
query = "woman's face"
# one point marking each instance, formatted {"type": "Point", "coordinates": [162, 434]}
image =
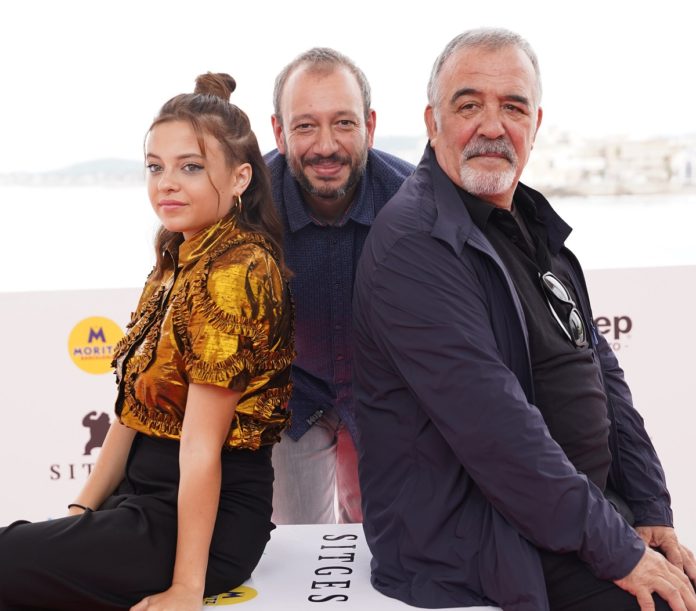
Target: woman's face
{"type": "Point", "coordinates": [189, 192]}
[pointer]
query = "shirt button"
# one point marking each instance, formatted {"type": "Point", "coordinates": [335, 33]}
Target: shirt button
{"type": "Point", "coordinates": [337, 327]}
{"type": "Point", "coordinates": [339, 357]}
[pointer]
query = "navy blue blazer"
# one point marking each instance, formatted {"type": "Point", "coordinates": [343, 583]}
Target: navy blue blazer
{"type": "Point", "coordinates": [461, 481]}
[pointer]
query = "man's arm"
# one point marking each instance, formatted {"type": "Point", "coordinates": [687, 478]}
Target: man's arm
{"type": "Point", "coordinates": [636, 472]}
{"type": "Point", "coordinates": [430, 317]}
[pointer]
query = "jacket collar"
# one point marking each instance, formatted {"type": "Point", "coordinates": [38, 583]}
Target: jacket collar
{"type": "Point", "coordinates": [454, 224]}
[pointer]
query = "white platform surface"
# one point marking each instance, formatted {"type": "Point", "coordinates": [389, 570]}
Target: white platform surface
{"type": "Point", "coordinates": [297, 574]}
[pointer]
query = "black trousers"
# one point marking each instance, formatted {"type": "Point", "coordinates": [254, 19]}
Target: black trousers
{"type": "Point", "coordinates": [572, 587]}
{"type": "Point", "coordinates": [109, 559]}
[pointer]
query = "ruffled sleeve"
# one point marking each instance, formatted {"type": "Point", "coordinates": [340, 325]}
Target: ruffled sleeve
{"type": "Point", "coordinates": [228, 316]}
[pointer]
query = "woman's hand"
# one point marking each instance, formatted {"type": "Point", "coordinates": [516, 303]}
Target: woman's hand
{"type": "Point", "coordinates": [177, 598]}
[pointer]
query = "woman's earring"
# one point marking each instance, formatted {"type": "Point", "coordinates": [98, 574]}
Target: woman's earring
{"type": "Point", "coordinates": [237, 203]}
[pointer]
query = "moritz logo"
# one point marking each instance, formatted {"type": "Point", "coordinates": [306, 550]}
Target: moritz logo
{"type": "Point", "coordinates": [233, 597]}
{"type": "Point", "coordinates": [91, 344]}
{"type": "Point", "coordinates": [97, 335]}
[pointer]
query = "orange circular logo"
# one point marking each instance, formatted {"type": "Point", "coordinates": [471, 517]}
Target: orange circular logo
{"type": "Point", "coordinates": [233, 597]}
{"type": "Point", "coordinates": [92, 342]}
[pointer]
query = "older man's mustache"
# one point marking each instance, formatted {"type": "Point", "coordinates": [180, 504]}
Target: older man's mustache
{"type": "Point", "coordinates": [484, 146]}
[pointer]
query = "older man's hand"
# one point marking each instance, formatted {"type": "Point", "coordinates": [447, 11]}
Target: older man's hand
{"type": "Point", "coordinates": [665, 539]}
{"type": "Point", "coordinates": [654, 573]}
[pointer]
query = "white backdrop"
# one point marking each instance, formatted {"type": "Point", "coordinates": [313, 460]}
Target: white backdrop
{"type": "Point", "coordinates": [657, 355]}
{"type": "Point", "coordinates": [45, 396]}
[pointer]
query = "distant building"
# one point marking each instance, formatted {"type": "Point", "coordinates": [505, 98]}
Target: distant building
{"type": "Point", "coordinates": [562, 164]}
{"type": "Point", "coordinates": [568, 164]}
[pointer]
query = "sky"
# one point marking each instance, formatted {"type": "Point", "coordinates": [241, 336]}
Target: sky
{"type": "Point", "coordinates": [82, 80]}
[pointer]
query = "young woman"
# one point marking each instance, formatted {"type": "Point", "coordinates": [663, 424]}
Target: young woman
{"type": "Point", "coordinates": [178, 504]}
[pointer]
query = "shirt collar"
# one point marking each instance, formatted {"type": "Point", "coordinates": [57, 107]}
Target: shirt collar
{"type": "Point", "coordinates": [205, 240]}
{"type": "Point", "coordinates": [529, 200]}
{"type": "Point", "coordinates": [481, 211]}
{"type": "Point", "coordinates": [535, 206]}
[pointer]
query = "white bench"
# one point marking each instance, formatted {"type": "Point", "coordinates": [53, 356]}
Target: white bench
{"type": "Point", "coordinates": [309, 564]}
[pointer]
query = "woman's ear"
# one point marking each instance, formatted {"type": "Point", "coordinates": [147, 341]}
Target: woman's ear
{"type": "Point", "coordinates": [241, 177]}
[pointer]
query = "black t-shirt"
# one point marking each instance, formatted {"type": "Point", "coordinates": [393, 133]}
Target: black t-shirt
{"type": "Point", "coordinates": [568, 389]}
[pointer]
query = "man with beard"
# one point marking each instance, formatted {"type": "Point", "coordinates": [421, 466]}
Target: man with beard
{"type": "Point", "coordinates": [501, 459]}
{"type": "Point", "coordinates": [328, 184]}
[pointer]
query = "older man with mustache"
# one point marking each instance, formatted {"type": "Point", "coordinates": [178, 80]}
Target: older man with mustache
{"type": "Point", "coordinates": [328, 183]}
{"type": "Point", "coordinates": [501, 459]}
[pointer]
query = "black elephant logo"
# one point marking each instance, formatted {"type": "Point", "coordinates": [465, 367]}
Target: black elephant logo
{"type": "Point", "coordinates": [98, 427]}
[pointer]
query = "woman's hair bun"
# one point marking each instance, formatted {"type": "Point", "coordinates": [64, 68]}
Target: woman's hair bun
{"type": "Point", "coordinates": [219, 84]}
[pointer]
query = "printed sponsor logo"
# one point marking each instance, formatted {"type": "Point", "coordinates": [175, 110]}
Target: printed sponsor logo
{"type": "Point", "coordinates": [337, 558]}
{"type": "Point", "coordinates": [92, 342]}
{"type": "Point", "coordinates": [98, 426]}
{"type": "Point", "coordinates": [233, 597]}
{"type": "Point", "coordinates": [616, 330]}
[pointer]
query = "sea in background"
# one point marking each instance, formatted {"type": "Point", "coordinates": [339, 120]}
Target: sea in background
{"type": "Point", "coordinates": [87, 237]}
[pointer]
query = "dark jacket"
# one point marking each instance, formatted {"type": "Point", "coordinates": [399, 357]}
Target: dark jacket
{"type": "Point", "coordinates": [460, 479]}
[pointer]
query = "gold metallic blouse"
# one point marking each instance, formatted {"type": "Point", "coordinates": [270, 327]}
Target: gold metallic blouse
{"type": "Point", "coordinates": [220, 314]}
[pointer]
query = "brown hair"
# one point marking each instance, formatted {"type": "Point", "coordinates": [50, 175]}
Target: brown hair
{"type": "Point", "coordinates": [209, 111]}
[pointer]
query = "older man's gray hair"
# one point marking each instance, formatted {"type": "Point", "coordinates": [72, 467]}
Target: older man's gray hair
{"type": "Point", "coordinates": [491, 39]}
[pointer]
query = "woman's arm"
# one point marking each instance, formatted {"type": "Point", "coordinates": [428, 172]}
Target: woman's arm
{"type": "Point", "coordinates": [207, 421]}
{"type": "Point", "coordinates": [108, 471]}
